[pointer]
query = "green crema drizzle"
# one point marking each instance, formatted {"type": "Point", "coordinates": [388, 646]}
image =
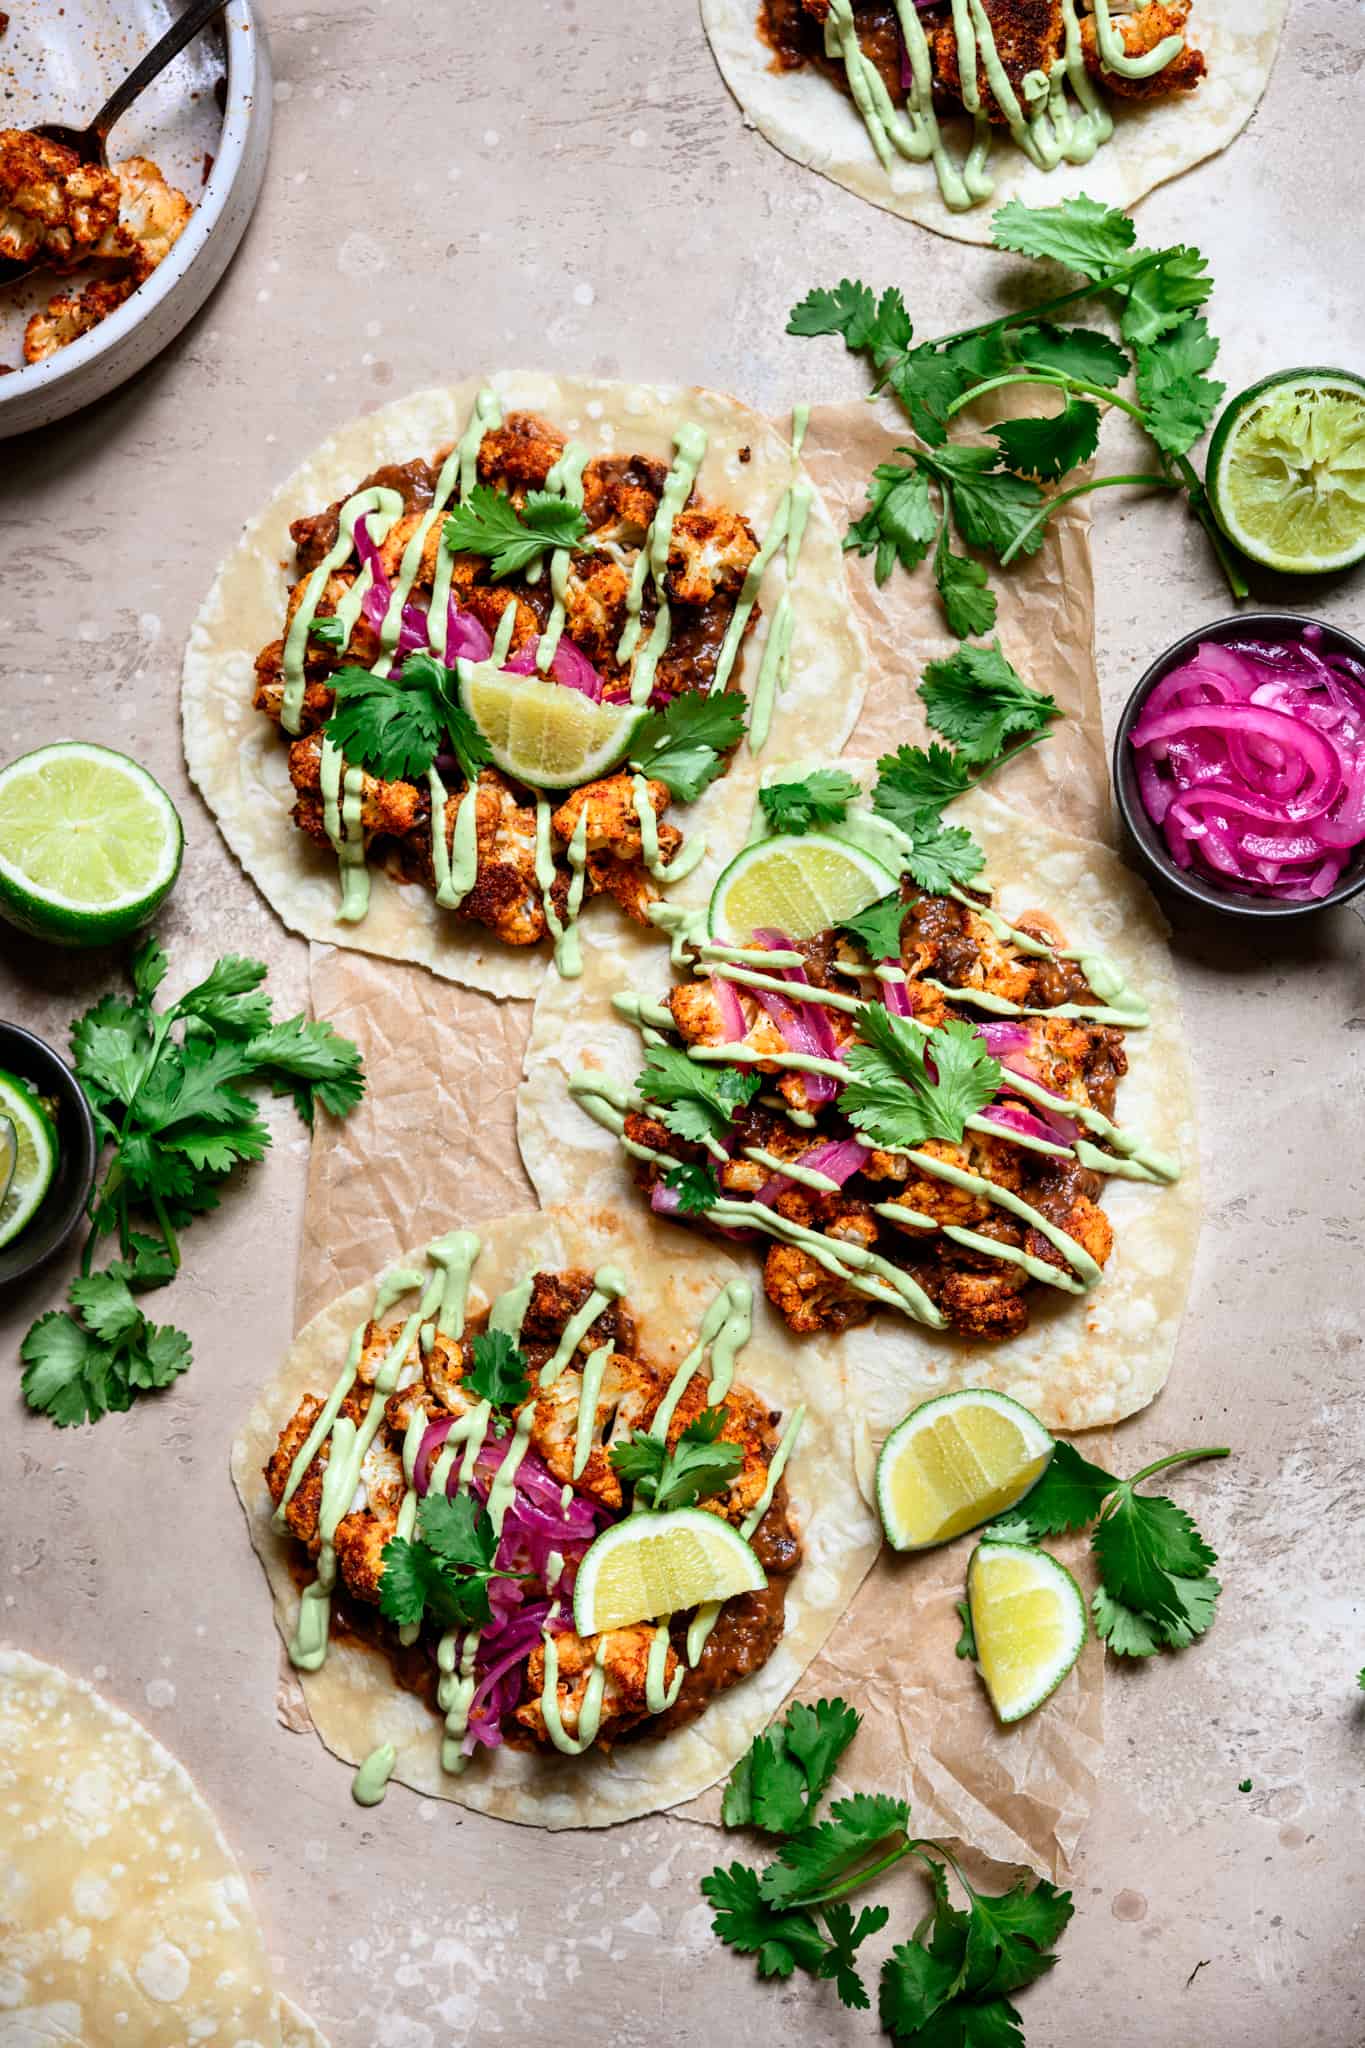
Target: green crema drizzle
{"type": "Point", "coordinates": [1045, 124]}
{"type": "Point", "coordinates": [690, 445]}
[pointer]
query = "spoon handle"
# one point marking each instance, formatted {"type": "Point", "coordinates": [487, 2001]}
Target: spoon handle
{"type": "Point", "coordinates": [181, 31]}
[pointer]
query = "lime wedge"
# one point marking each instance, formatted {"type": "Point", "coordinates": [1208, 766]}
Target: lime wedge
{"type": "Point", "coordinates": [957, 1461]}
{"type": "Point", "coordinates": [651, 1565]}
{"type": "Point", "coordinates": [1286, 471]}
{"type": "Point", "coordinates": [28, 1155]}
{"type": "Point", "coordinates": [800, 885]}
{"type": "Point", "coordinates": [542, 733]}
{"type": "Point", "coordinates": [90, 845]}
{"type": "Point", "coordinates": [1028, 1618]}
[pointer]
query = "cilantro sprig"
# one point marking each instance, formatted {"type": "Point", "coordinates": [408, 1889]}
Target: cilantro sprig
{"type": "Point", "coordinates": [488, 523]}
{"type": "Point", "coordinates": [498, 1371]}
{"type": "Point", "coordinates": [950, 1984]}
{"type": "Point", "coordinates": [167, 1090]}
{"type": "Point", "coordinates": [698, 1466]}
{"type": "Point", "coordinates": [820, 798]}
{"type": "Point", "coordinates": [992, 498]}
{"type": "Point", "coordinates": [444, 1574]}
{"type": "Point", "coordinates": [396, 727]}
{"type": "Point", "coordinates": [695, 1101]}
{"type": "Point", "coordinates": [696, 1187]}
{"type": "Point", "coordinates": [1156, 1588]}
{"type": "Point", "coordinates": [907, 1086]}
{"type": "Point", "coordinates": [684, 745]}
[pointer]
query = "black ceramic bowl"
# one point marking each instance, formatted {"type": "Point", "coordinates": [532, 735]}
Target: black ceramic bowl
{"type": "Point", "coordinates": [60, 1209]}
{"type": "Point", "coordinates": [1146, 839]}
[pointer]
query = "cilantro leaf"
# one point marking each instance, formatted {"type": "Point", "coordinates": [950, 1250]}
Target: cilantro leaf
{"type": "Point", "coordinates": [460, 1531]}
{"type": "Point", "coordinates": [1161, 295]}
{"type": "Point", "coordinates": [229, 997]}
{"type": "Point", "coordinates": [900, 520]}
{"type": "Point", "coordinates": [698, 1466]}
{"type": "Point", "coordinates": [695, 1100]}
{"type": "Point", "coordinates": [696, 1187]}
{"type": "Point", "coordinates": [306, 1058]}
{"type": "Point", "coordinates": [403, 1582]}
{"type": "Point", "coordinates": [446, 1572]}
{"type": "Point", "coordinates": [1081, 352]}
{"type": "Point", "coordinates": [1080, 232]}
{"type": "Point", "coordinates": [966, 1642]}
{"type": "Point", "coordinates": [781, 1942]}
{"type": "Point", "coordinates": [1051, 446]}
{"type": "Point", "coordinates": [894, 1098]}
{"type": "Point", "coordinates": [942, 855]}
{"type": "Point", "coordinates": [1068, 1496]}
{"type": "Point", "coordinates": [786, 1771]}
{"type": "Point", "coordinates": [968, 604]}
{"type": "Point", "coordinates": [487, 523]}
{"type": "Point", "coordinates": [979, 701]}
{"type": "Point", "coordinates": [849, 309]}
{"type": "Point", "coordinates": [820, 798]}
{"type": "Point", "coordinates": [1156, 1566]}
{"type": "Point", "coordinates": [846, 1937]}
{"type": "Point", "coordinates": [1121, 1630]}
{"type": "Point", "coordinates": [1178, 402]}
{"type": "Point", "coordinates": [147, 967]}
{"type": "Point", "coordinates": [992, 508]}
{"type": "Point", "coordinates": [393, 731]}
{"type": "Point", "coordinates": [80, 1367]}
{"type": "Point", "coordinates": [829, 1849]}
{"type": "Point", "coordinates": [109, 1048]}
{"type": "Point", "coordinates": [683, 746]}
{"type": "Point", "coordinates": [497, 1371]}
{"type": "Point", "coordinates": [328, 632]}
{"type": "Point", "coordinates": [1010, 1936]}
{"type": "Point", "coordinates": [916, 1985]}
{"type": "Point", "coordinates": [927, 381]}
{"type": "Point", "coordinates": [879, 926]}
{"type": "Point", "coordinates": [916, 779]}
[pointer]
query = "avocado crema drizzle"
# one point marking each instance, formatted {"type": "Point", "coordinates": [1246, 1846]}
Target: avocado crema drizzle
{"type": "Point", "coordinates": [443, 1295]}
{"type": "Point", "coordinates": [608, 1101]}
{"type": "Point", "coordinates": [1044, 124]}
{"type": "Point", "coordinates": [455, 863]}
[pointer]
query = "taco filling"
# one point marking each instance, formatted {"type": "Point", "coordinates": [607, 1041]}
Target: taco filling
{"type": "Point", "coordinates": [916, 1111]}
{"type": "Point", "coordinates": [451, 1483]}
{"type": "Point", "coordinates": [1028, 67]}
{"type": "Point", "coordinates": [498, 668]}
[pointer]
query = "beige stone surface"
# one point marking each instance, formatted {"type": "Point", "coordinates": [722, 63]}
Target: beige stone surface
{"type": "Point", "coordinates": [459, 186]}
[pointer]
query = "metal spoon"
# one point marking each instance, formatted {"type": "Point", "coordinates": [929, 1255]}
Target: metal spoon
{"type": "Point", "coordinates": [90, 143]}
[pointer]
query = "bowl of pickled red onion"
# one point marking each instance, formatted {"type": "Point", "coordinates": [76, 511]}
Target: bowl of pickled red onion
{"type": "Point", "coordinates": [1239, 766]}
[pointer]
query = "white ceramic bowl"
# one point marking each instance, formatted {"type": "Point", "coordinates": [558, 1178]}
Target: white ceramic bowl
{"type": "Point", "coordinates": [85, 70]}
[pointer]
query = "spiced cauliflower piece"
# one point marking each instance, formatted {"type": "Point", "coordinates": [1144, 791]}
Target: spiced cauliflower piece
{"type": "Point", "coordinates": [53, 208]}
{"type": "Point", "coordinates": [625, 1663]}
{"type": "Point", "coordinates": [630, 1391]}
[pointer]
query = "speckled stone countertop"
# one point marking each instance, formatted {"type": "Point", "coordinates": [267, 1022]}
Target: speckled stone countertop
{"type": "Point", "coordinates": [570, 185]}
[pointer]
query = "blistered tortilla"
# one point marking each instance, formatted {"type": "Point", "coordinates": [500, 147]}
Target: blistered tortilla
{"type": "Point", "coordinates": [810, 119]}
{"type": "Point", "coordinates": [1082, 1361]}
{"type": "Point", "coordinates": [123, 1914]}
{"type": "Point", "coordinates": [354, 1702]}
{"type": "Point", "coordinates": [239, 759]}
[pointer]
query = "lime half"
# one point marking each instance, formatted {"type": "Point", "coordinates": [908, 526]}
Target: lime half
{"type": "Point", "coordinates": [32, 1145]}
{"type": "Point", "coordinates": [1286, 471]}
{"type": "Point", "coordinates": [1028, 1617]}
{"type": "Point", "coordinates": [957, 1461]}
{"type": "Point", "coordinates": [542, 733]}
{"type": "Point", "coordinates": [650, 1565]}
{"type": "Point", "coordinates": [797, 884]}
{"type": "Point", "coordinates": [90, 845]}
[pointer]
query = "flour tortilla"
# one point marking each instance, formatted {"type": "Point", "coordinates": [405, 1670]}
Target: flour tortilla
{"type": "Point", "coordinates": [238, 757]}
{"type": "Point", "coordinates": [354, 1702]}
{"type": "Point", "coordinates": [809, 118]}
{"type": "Point", "coordinates": [1082, 1361]}
{"type": "Point", "coordinates": [123, 1914]}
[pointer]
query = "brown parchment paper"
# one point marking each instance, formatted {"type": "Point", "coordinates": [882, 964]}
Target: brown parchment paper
{"type": "Point", "coordinates": [434, 1142]}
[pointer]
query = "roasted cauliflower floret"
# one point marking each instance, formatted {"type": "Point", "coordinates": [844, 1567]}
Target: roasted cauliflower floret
{"type": "Point", "coordinates": [53, 208]}
{"type": "Point", "coordinates": [613, 821]}
{"type": "Point", "coordinates": [807, 1295]}
{"type": "Point", "coordinates": [746, 1424]}
{"type": "Point", "coordinates": [520, 453]}
{"type": "Point", "coordinates": [69, 315]}
{"type": "Point", "coordinates": [1141, 31]}
{"type": "Point", "coordinates": [709, 551]}
{"type": "Point", "coordinates": [629, 1394]}
{"type": "Point", "coordinates": [620, 497]}
{"type": "Point", "coordinates": [595, 607]}
{"type": "Point", "coordinates": [625, 1662]}
{"type": "Point", "coordinates": [152, 216]}
{"type": "Point", "coordinates": [388, 809]}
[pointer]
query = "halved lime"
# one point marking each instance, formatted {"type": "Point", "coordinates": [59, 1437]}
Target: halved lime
{"type": "Point", "coordinates": [957, 1461]}
{"type": "Point", "coordinates": [542, 733]}
{"type": "Point", "coordinates": [33, 1137]}
{"type": "Point", "coordinates": [1028, 1618]}
{"type": "Point", "coordinates": [1286, 471]}
{"type": "Point", "coordinates": [90, 845]}
{"type": "Point", "coordinates": [651, 1565]}
{"type": "Point", "coordinates": [799, 884]}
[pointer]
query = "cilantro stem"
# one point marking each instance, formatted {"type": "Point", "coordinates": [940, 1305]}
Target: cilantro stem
{"type": "Point", "coordinates": [1058, 382]}
{"type": "Point", "coordinates": [1179, 1458]}
{"type": "Point", "coordinates": [1121, 274]}
{"type": "Point", "coordinates": [1199, 505]}
{"type": "Point", "coordinates": [857, 1880]}
{"type": "Point", "coordinates": [1097, 483]}
{"type": "Point", "coordinates": [164, 1225]}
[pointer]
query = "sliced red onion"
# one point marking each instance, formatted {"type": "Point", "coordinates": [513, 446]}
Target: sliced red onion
{"type": "Point", "coordinates": [664, 1201]}
{"type": "Point", "coordinates": [433, 1437]}
{"type": "Point", "coordinates": [570, 666]}
{"type": "Point", "coordinates": [1004, 1037]}
{"type": "Point", "coordinates": [838, 1158]}
{"type": "Point", "coordinates": [896, 995]}
{"type": "Point", "coordinates": [466, 636]}
{"type": "Point", "coordinates": [1251, 760]}
{"type": "Point", "coordinates": [375, 603]}
{"type": "Point", "coordinates": [731, 1012]}
{"type": "Point", "coordinates": [1011, 1117]}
